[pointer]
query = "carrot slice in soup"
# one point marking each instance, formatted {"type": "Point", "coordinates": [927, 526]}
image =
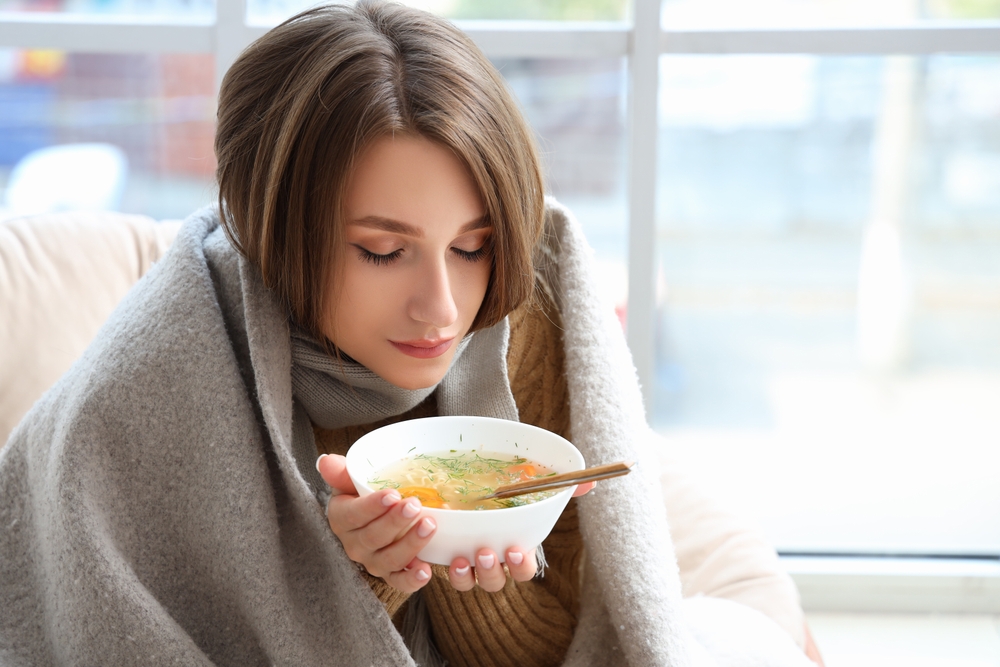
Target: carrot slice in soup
{"type": "Point", "coordinates": [427, 496]}
{"type": "Point", "coordinates": [525, 470]}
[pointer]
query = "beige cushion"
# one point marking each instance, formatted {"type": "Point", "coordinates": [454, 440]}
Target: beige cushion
{"type": "Point", "coordinates": [721, 554]}
{"type": "Point", "coordinates": [61, 275]}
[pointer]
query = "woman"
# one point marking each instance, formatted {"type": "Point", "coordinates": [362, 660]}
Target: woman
{"type": "Point", "coordinates": [380, 200]}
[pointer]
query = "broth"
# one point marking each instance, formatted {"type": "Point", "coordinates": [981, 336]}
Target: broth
{"type": "Point", "coordinates": [454, 479]}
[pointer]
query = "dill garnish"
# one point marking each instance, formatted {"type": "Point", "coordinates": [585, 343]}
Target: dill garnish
{"type": "Point", "coordinates": [459, 477]}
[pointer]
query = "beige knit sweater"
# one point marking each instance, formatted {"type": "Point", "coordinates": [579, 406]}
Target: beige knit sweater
{"type": "Point", "coordinates": [527, 623]}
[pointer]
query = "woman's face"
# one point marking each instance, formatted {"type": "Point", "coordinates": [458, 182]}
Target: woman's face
{"type": "Point", "coordinates": [416, 261]}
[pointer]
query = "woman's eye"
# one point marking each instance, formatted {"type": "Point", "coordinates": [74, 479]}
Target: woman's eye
{"type": "Point", "coordinates": [375, 258]}
{"type": "Point", "coordinates": [472, 255]}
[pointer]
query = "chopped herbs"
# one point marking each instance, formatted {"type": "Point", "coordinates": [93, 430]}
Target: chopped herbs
{"type": "Point", "coordinates": [455, 480]}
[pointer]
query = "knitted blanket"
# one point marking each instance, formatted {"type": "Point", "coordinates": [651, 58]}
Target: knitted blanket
{"type": "Point", "coordinates": [154, 510]}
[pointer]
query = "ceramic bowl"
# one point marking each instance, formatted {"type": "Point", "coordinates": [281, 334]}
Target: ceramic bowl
{"type": "Point", "coordinates": [464, 532]}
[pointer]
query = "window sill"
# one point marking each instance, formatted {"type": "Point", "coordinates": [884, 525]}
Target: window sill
{"type": "Point", "coordinates": [887, 584]}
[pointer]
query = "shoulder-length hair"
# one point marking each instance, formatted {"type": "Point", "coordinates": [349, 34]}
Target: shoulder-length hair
{"type": "Point", "coordinates": [301, 103]}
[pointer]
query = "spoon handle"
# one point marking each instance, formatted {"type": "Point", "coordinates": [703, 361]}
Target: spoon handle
{"type": "Point", "coordinates": [560, 481]}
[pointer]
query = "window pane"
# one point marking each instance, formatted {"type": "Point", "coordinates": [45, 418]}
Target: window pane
{"type": "Point", "coordinates": [771, 13]}
{"type": "Point", "coordinates": [270, 12]}
{"type": "Point", "coordinates": [158, 109]}
{"type": "Point", "coordinates": [577, 109]}
{"type": "Point", "coordinates": [829, 248]}
{"type": "Point", "coordinates": [176, 9]}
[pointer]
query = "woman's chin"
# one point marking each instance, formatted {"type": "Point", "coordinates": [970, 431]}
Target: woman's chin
{"type": "Point", "coordinates": [414, 378]}
{"type": "Point", "coordinates": [414, 386]}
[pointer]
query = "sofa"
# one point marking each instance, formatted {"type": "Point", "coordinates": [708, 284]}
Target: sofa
{"type": "Point", "coordinates": [60, 277]}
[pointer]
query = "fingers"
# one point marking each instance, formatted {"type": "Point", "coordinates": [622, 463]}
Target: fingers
{"type": "Point", "coordinates": [461, 575]}
{"type": "Point", "coordinates": [521, 565]}
{"type": "Point", "coordinates": [412, 578]}
{"type": "Point", "coordinates": [333, 469]}
{"type": "Point", "coordinates": [584, 488]}
{"type": "Point", "coordinates": [375, 522]}
{"type": "Point", "coordinates": [381, 531]}
{"type": "Point", "coordinates": [401, 553]}
{"type": "Point", "coordinates": [349, 512]}
{"type": "Point", "coordinates": [489, 571]}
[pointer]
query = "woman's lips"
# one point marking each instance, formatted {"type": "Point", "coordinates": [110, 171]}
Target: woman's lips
{"type": "Point", "coordinates": [423, 349]}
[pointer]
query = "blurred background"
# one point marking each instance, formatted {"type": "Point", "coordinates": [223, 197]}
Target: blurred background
{"type": "Point", "coordinates": [826, 306]}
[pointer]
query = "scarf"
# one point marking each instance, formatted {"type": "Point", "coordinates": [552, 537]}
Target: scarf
{"type": "Point", "coordinates": [341, 392]}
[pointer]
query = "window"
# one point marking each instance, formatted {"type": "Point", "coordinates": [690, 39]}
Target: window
{"type": "Point", "coordinates": [794, 203]}
{"type": "Point", "coordinates": [830, 294]}
{"type": "Point", "coordinates": [158, 108]}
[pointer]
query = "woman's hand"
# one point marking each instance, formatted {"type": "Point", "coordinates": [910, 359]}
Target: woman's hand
{"type": "Point", "coordinates": [384, 533]}
{"type": "Point", "coordinates": [489, 572]}
{"type": "Point", "coordinates": [381, 531]}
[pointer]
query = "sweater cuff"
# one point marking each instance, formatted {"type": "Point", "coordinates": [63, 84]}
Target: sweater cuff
{"type": "Point", "coordinates": [391, 598]}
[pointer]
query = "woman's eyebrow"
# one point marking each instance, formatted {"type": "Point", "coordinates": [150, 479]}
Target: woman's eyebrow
{"type": "Point", "coordinates": [399, 227]}
{"type": "Point", "coordinates": [388, 225]}
{"type": "Point", "coordinates": [478, 223]}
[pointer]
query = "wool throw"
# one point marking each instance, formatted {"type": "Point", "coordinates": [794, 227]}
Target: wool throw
{"type": "Point", "coordinates": [156, 509]}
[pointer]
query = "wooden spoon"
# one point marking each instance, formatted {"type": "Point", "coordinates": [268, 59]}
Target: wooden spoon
{"type": "Point", "coordinates": [561, 481]}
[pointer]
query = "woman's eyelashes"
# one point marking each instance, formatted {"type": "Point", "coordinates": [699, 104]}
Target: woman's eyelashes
{"type": "Point", "coordinates": [381, 260]}
{"type": "Point", "coordinates": [375, 258]}
{"type": "Point", "coordinates": [472, 255]}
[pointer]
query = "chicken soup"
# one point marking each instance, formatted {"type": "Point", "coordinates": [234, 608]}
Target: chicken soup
{"type": "Point", "coordinates": [457, 479]}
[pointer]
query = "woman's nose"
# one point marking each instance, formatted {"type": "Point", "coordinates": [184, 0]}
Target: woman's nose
{"type": "Point", "coordinates": [432, 300]}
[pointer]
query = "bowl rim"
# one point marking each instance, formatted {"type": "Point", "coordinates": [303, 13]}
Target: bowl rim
{"type": "Point", "coordinates": [438, 511]}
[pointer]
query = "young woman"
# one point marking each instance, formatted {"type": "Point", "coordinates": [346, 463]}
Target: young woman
{"type": "Point", "coordinates": [381, 250]}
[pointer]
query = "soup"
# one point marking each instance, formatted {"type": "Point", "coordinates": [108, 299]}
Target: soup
{"type": "Point", "coordinates": [455, 479]}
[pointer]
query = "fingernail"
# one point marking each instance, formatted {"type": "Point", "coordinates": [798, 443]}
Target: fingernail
{"type": "Point", "coordinates": [485, 562]}
{"type": "Point", "coordinates": [462, 571]}
{"type": "Point", "coordinates": [425, 528]}
{"type": "Point", "coordinates": [515, 557]}
{"type": "Point", "coordinates": [422, 575]}
{"type": "Point", "coordinates": [411, 508]}
{"type": "Point", "coordinates": [318, 460]}
{"type": "Point", "coordinates": [391, 498]}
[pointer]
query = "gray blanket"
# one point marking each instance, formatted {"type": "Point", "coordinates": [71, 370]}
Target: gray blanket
{"type": "Point", "coordinates": [153, 509]}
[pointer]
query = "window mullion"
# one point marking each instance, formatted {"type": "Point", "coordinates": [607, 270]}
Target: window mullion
{"type": "Point", "coordinates": [231, 35]}
{"type": "Point", "coordinates": [643, 73]}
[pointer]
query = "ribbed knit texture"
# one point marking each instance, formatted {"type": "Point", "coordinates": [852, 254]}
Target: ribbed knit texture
{"type": "Point", "coordinates": [527, 623]}
{"type": "Point", "coordinates": [341, 392]}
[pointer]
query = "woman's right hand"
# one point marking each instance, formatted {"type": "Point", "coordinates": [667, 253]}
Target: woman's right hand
{"type": "Point", "coordinates": [381, 531]}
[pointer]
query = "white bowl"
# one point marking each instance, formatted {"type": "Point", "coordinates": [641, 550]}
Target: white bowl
{"type": "Point", "coordinates": [464, 532]}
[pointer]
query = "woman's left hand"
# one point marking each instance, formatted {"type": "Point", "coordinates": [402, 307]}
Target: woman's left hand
{"type": "Point", "coordinates": [489, 572]}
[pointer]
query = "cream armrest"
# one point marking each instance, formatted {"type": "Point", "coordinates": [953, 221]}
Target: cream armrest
{"type": "Point", "coordinates": [722, 555]}
{"type": "Point", "coordinates": [61, 275]}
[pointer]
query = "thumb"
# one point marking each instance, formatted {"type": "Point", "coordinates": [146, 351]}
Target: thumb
{"type": "Point", "coordinates": [333, 469]}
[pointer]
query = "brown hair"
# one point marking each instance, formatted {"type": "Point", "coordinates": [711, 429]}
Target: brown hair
{"type": "Point", "coordinates": [303, 101]}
